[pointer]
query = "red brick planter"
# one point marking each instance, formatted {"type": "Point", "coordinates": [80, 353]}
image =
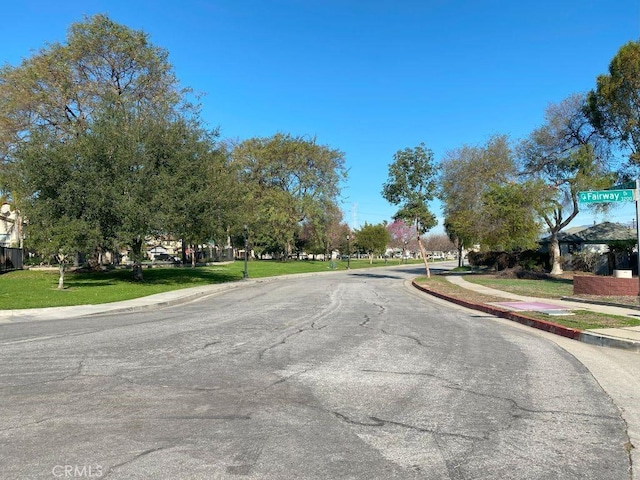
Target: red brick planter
{"type": "Point", "coordinates": [605, 286]}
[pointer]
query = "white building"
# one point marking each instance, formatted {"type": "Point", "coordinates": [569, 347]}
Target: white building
{"type": "Point", "coordinates": [10, 227]}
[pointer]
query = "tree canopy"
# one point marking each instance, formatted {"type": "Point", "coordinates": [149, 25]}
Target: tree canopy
{"type": "Point", "coordinates": [101, 145]}
{"type": "Point", "coordinates": [325, 231]}
{"type": "Point", "coordinates": [466, 175]}
{"type": "Point", "coordinates": [372, 239]}
{"type": "Point", "coordinates": [612, 107]}
{"type": "Point", "coordinates": [290, 179]}
{"type": "Point", "coordinates": [510, 211]}
{"type": "Point", "coordinates": [402, 236]}
{"type": "Point", "coordinates": [568, 156]}
{"type": "Point", "coordinates": [411, 185]}
{"type": "Point", "coordinates": [61, 86]}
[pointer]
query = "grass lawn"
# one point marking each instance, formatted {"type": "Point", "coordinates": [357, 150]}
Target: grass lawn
{"type": "Point", "coordinates": [553, 288]}
{"type": "Point", "coordinates": [548, 288]}
{"type": "Point", "coordinates": [38, 288]}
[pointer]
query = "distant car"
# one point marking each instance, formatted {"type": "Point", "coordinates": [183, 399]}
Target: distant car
{"type": "Point", "coordinates": [165, 257]}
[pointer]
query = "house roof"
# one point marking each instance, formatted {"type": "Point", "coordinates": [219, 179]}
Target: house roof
{"type": "Point", "coordinates": [597, 234]}
{"type": "Point", "coordinates": [607, 232]}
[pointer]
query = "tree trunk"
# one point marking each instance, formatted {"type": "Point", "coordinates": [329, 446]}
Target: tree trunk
{"type": "Point", "coordinates": [371, 259]}
{"type": "Point", "coordinates": [460, 259]}
{"type": "Point", "coordinates": [554, 252]}
{"type": "Point", "coordinates": [423, 252]}
{"type": "Point", "coordinates": [136, 250]}
{"type": "Point", "coordinates": [62, 263]}
{"type": "Point", "coordinates": [193, 256]}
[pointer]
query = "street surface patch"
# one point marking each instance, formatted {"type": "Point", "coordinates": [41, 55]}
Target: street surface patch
{"type": "Point", "coordinates": [542, 307]}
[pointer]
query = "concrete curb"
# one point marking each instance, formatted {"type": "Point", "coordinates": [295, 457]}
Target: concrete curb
{"type": "Point", "coordinates": [580, 335]}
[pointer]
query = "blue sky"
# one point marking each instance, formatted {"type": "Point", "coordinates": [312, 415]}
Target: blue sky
{"type": "Point", "coordinates": [366, 77]}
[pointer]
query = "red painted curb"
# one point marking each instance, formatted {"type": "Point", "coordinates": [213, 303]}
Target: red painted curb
{"type": "Point", "coordinates": [508, 314]}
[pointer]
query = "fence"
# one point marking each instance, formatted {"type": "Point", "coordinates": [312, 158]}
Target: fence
{"type": "Point", "coordinates": [10, 259]}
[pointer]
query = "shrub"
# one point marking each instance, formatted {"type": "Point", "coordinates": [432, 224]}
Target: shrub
{"type": "Point", "coordinates": [520, 273]}
{"type": "Point", "coordinates": [585, 261]}
{"type": "Point", "coordinates": [534, 260]}
{"type": "Point", "coordinates": [528, 260]}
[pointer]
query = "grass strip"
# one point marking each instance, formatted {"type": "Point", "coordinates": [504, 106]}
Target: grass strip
{"type": "Point", "coordinates": [580, 320]}
{"type": "Point", "coordinates": [545, 288]}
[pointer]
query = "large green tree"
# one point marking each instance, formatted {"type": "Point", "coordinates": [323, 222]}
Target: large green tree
{"type": "Point", "coordinates": [567, 155]}
{"type": "Point", "coordinates": [510, 210]}
{"type": "Point", "coordinates": [161, 177]}
{"type": "Point", "coordinates": [612, 107]}
{"type": "Point", "coordinates": [204, 197]}
{"type": "Point", "coordinates": [411, 186]}
{"type": "Point", "coordinates": [57, 194]}
{"type": "Point", "coordinates": [465, 175]}
{"type": "Point", "coordinates": [128, 154]}
{"type": "Point", "coordinates": [118, 182]}
{"type": "Point", "coordinates": [62, 85]}
{"type": "Point", "coordinates": [289, 180]}
{"type": "Point", "coordinates": [108, 106]}
{"type": "Point", "coordinates": [372, 239]}
{"type": "Point", "coordinates": [324, 231]}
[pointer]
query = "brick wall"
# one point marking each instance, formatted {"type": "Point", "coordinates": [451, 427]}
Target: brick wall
{"type": "Point", "coordinates": [605, 286]}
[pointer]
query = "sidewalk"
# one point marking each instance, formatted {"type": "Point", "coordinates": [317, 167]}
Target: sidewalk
{"type": "Point", "coordinates": [627, 338]}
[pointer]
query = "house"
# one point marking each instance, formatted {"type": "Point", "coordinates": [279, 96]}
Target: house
{"type": "Point", "coordinates": [10, 227]}
{"type": "Point", "coordinates": [11, 254]}
{"type": "Point", "coordinates": [594, 238]}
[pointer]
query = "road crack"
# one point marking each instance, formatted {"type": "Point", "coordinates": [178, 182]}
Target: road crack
{"type": "Point", "coordinates": [519, 407]}
{"type": "Point", "coordinates": [374, 421]}
{"type": "Point", "coordinates": [409, 337]}
{"type": "Point", "coordinates": [281, 342]}
{"type": "Point", "coordinates": [135, 458]}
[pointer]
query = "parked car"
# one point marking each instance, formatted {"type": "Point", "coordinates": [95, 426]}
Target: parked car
{"type": "Point", "coordinates": [165, 257]}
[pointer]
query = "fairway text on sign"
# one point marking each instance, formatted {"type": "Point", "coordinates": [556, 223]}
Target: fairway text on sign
{"type": "Point", "coordinates": [607, 196]}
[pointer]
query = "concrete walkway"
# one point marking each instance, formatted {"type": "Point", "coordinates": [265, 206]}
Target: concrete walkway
{"type": "Point", "coordinates": [629, 336]}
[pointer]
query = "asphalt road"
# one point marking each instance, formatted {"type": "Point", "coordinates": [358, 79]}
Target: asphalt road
{"type": "Point", "coordinates": [347, 375]}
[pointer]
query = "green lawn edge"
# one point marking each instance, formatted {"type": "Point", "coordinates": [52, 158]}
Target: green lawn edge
{"type": "Point", "coordinates": [24, 289]}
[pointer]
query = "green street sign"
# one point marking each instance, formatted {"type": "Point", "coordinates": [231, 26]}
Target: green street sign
{"type": "Point", "coordinates": [605, 196]}
{"type": "Point", "coordinates": [624, 186]}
